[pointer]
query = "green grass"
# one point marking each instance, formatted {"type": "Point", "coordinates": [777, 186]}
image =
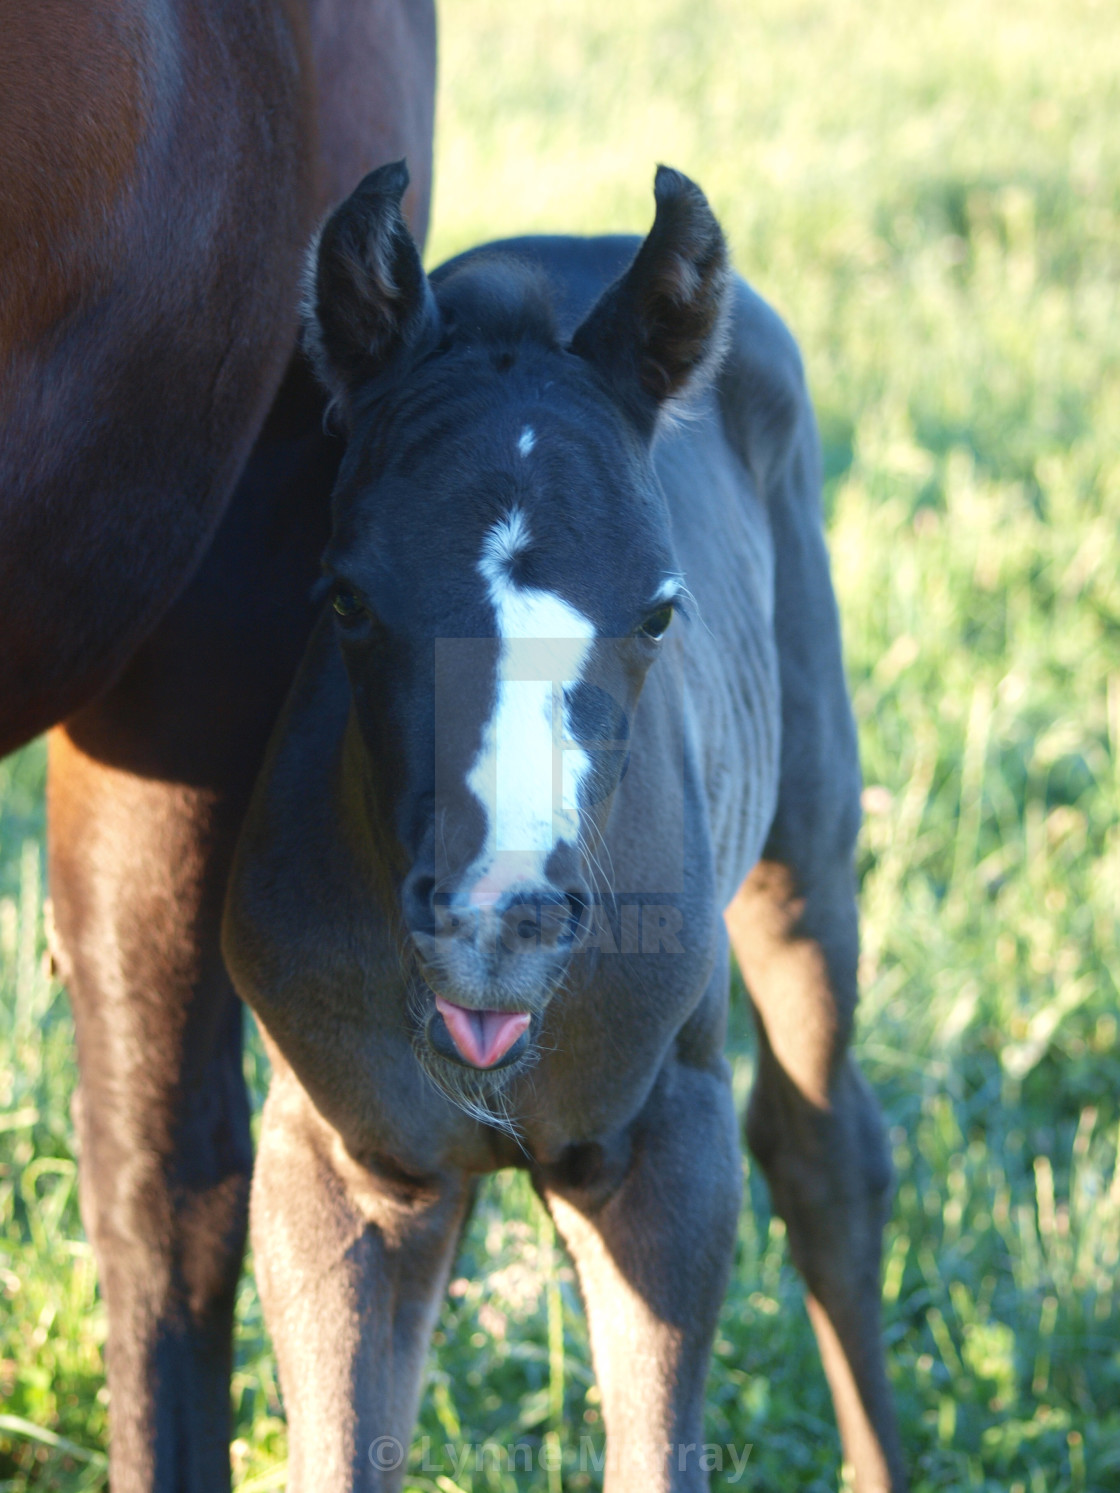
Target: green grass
{"type": "Point", "coordinates": [931, 195]}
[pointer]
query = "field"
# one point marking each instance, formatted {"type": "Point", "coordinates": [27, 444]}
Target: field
{"type": "Point", "coordinates": [931, 196]}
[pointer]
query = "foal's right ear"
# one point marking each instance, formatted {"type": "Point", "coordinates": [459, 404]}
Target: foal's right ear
{"type": "Point", "coordinates": [366, 296]}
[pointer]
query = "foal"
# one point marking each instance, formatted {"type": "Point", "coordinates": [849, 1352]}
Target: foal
{"type": "Point", "coordinates": [576, 709]}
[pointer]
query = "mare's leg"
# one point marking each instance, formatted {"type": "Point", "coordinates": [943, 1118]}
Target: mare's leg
{"type": "Point", "coordinates": [147, 789]}
{"type": "Point", "coordinates": [813, 1123]}
{"type": "Point", "coordinates": [650, 1224]}
{"type": "Point", "coordinates": [352, 1265]}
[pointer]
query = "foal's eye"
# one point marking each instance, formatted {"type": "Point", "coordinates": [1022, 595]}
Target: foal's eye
{"type": "Point", "coordinates": [655, 624]}
{"type": "Point", "coordinates": [347, 604]}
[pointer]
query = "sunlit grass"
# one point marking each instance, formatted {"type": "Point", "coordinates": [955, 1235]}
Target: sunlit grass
{"type": "Point", "coordinates": [931, 195]}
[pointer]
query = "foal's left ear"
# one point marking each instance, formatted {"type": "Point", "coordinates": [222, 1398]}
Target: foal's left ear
{"type": "Point", "coordinates": [366, 296]}
{"type": "Point", "coordinates": [659, 333]}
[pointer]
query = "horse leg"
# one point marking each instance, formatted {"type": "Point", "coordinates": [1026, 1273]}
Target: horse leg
{"type": "Point", "coordinates": [816, 1131]}
{"type": "Point", "coordinates": [651, 1224]}
{"type": "Point", "coordinates": [147, 788]}
{"type": "Point", "coordinates": [352, 1264]}
{"type": "Point", "coordinates": [161, 1114]}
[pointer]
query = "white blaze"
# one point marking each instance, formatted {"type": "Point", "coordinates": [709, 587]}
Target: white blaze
{"type": "Point", "coordinates": [525, 778]}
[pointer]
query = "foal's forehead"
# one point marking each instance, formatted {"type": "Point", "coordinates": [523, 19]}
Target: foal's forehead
{"type": "Point", "coordinates": [523, 471]}
{"type": "Point", "coordinates": [557, 500]}
{"type": "Point", "coordinates": [564, 462]}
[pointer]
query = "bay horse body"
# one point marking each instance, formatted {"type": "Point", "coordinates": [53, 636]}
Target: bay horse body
{"type": "Point", "coordinates": [163, 475]}
{"type": "Point", "coordinates": [482, 895]}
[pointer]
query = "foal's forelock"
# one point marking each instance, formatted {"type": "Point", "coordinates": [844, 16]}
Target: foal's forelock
{"type": "Point", "coordinates": [528, 771]}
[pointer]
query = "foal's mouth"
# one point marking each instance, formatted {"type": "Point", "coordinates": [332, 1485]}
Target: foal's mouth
{"type": "Point", "coordinates": [483, 1039]}
{"type": "Point", "coordinates": [474, 1015]}
{"type": "Point", "coordinates": [472, 1044]}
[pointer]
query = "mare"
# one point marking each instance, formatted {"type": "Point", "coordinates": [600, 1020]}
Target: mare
{"type": "Point", "coordinates": [573, 713]}
{"type": "Point", "coordinates": [162, 165]}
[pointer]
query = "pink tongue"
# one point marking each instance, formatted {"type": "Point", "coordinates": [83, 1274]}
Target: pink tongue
{"type": "Point", "coordinates": [482, 1036]}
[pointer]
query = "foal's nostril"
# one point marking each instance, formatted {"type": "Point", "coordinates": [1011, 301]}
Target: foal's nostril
{"type": "Point", "coordinates": [561, 918]}
{"type": "Point", "coordinates": [418, 902]}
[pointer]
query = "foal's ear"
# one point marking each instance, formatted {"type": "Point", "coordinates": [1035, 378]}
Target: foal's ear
{"type": "Point", "coordinates": [659, 333]}
{"type": "Point", "coordinates": [366, 296]}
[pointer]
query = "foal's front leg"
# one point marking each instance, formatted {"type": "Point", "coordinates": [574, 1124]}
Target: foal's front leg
{"type": "Point", "coordinates": [351, 1267]}
{"type": "Point", "coordinates": [652, 1231]}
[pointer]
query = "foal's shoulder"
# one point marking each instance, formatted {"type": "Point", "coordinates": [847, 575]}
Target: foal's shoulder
{"type": "Point", "coordinates": [764, 401]}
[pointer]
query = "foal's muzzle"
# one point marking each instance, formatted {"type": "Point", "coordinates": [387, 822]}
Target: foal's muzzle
{"type": "Point", "coordinates": [491, 963]}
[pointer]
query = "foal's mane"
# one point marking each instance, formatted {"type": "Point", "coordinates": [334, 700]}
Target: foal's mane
{"type": "Point", "coordinates": [494, 298]}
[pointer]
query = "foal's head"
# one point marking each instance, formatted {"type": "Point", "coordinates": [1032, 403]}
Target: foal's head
{"type": "Point", "coordinates": [502, 574]}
